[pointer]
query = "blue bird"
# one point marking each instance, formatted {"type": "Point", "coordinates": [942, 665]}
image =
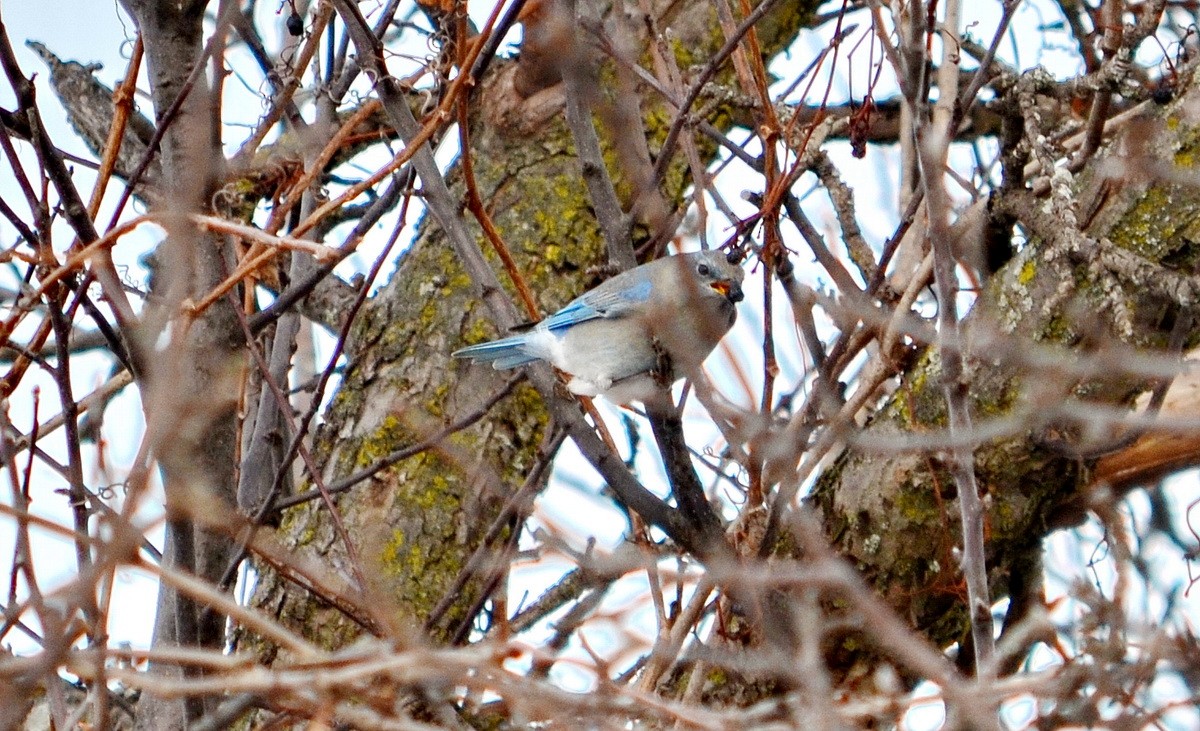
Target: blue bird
{"type": "Point", "coordinates": [609, 340]}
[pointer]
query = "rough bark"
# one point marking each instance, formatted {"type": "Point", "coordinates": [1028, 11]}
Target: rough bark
{"type": "Point", "coordinates": [1065, 298]}
{"type": "Point", "coordinates": [417, 523]}
{"type": "Point", "coordinates": [893, 515]}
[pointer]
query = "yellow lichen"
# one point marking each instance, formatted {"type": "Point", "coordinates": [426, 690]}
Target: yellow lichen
{"type": "Point", "coordinates": [1028, 270]}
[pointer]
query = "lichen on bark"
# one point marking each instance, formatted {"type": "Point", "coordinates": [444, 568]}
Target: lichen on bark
{"type": "Point", "coordinates": [895, 514]}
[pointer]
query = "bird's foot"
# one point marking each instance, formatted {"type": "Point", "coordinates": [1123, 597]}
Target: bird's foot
{"type": "Point", "coordinates": [663, 372]}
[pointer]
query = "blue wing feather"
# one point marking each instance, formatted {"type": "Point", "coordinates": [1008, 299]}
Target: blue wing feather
{"type": "Point", "coordinates": [603, 302]}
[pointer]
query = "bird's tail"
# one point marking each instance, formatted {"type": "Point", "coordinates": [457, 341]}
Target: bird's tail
{"type": "Point", "coordinates": [502, 354]}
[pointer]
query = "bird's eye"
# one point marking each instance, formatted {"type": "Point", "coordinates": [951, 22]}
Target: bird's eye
{"type": "Point", "coordinates": [703, 270]}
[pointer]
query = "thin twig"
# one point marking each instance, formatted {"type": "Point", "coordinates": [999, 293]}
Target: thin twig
{"type": "Point", "coordinates": [932, 151]}
{"type": "Point", "coordinates": [614, 222]}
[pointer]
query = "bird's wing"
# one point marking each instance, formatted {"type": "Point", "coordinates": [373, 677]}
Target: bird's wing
{"type": "Point", "coordinates": [602, 302]}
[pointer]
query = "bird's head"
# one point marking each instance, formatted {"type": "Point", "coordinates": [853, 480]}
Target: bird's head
{"type": "Point", "coordinates": [715, 271]}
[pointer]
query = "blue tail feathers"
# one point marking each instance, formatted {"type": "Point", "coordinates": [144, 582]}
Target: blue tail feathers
{"type": "Point", "coordinates": [502, 354]}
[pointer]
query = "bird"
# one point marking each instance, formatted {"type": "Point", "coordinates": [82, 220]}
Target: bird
{"type": "Point", "coordinates": [621, 338]}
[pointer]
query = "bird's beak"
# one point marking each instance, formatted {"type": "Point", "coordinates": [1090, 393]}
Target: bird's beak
{"type": "Point", "coordinates": [732, 291]}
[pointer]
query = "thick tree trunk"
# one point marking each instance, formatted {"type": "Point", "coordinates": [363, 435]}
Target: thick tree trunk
{"type": "Point", "coordinates": [416, 524]}
{"type": "Point", "coordinates": [1051, 317]}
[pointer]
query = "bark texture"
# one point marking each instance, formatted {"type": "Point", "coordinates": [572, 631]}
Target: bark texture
{"type": "Point", "coordinates": [1059, 304]}
{"type": "Point", "coordinates": [418, 523]}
